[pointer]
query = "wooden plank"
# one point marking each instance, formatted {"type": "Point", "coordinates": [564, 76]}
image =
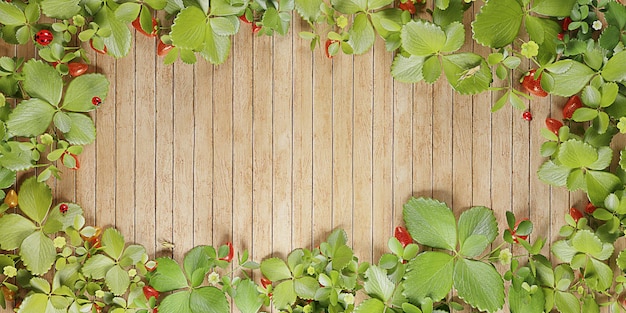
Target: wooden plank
{"type": "Point", "coordinates": [402, 148]}
{"type": "Point", "coordinates": [302, 140]}
{"type": "Point", "coordinates": [145, 129]}
{"type": "Point", "coordinates": [182, 206]}
{"type": "Point", "coordinates": [282, 148]}
{"type": "Point", "coordinates": [362, 210]}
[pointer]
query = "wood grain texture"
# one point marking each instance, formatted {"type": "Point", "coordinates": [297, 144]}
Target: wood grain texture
{"type": "Point", "coordinates": [279, 145]}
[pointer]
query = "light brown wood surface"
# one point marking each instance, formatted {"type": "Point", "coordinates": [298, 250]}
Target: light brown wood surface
{"type": "Point", "coordinates": [279, 146]}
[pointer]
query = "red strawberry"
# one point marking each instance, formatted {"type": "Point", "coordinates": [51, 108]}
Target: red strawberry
{"type": "Point", "coordinates": [255, 28]}
{"type": "Point", "coordinates": [572, 104]}
{"type": "Point", "coordinates": [408, 6]}
{"type": "Point", "coordinates": [103, 51]}
{"type": "Point", "coordinates": [231, 253]}
{"type": "Point", "coordinates": [244, 19]}
{"type": "Point", "coordinates": [575, 214]}
{"type": "Point", "coordinates": [150, 292]}
{"type": "Point", "coordinates": [565, 23]}
{"type": "Point", "coordinates": [163, 49]}
{"type": "Point", "coordinates": [554, 125]}
{"type": "Point", "coordinates": [265, 282]}
{"type": "Point", "coordinates": [590, 208]}
{"type": "Point", "coordinates": [137, 25]}
{"type": "Point", "coordinates": [77, 69]}
{"type": "Point", "coordinates": [532, 85]}
{"type": "Point", "coordinates": [76, 162]}
{"type": "Point", "coordinates": [402, 234]}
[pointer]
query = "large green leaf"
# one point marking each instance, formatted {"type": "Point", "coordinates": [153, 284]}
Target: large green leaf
{"type": "Point", "coordinates": [575, 153]}
{"type": "Point", "coordinates": [168, 276]}
{"type": "Point", "coordinates": [247, 297]}
{"type": "Point", "coordinates": [563, 250]}
{"type": "Point", "coordinates": [11, 14]}
{"type": "Point", "coordinates": [189, 29]}
{"type": "Point", "coordinates": [113, 243]}
{"type": "Point", "coordinates": [362, 34]}
{"type": "Point", "coordinates": [82, 131]}
{"type": "Point", "coordinates": [467, 73]}
{"type": "Point", "coordinates": [613, 69]}
{"type": "Point", "coordinates": [598, 275]}
{"type": "Point", "coordinates": [36, 302]}
{"type": "Point", "coordinates": [566, 302]}
{"type": "Point", "coordinates": [216, 47]}
{"type": "Point", "coordinates": [370, 306]}
{"type": "Point", "coordinates": [61, 9]}
{"type": "Point", "coordinates": [42, 81]}
{"type": "Point", "coordinates": [407, 70]}
{"type": "Point", "coordinates": [422, 38]}
{"type": "Point", "coordinates": [119, 43]}
{"type": "Point", "coordinates": [569, 77]}
{"type": "Point", "coordinates": [377, 4]}
{"type": "Point", "coordinates": [308, 9]}
{"type": "Point", "coordinates": [522, 301]}
{"type": "Point", "coordinates": [275, 269]}
{"type": "Point", "coordinates": [479, 284]}
{"type": "Point", "coordinates": [553, 174]}
{"type": "Point", "coordinates": [587, 242]}
{"type": "Point", "coordinates": [117, 280]}
{"type": "Point", "coordinates": [431, 223]}
{"type": "Point", "coordinates": [455, 37]}
{"type": "Point", "coordinates": [97, 266]}
{"type": "Point", "coordinates": [7, 177]}
{"type": "Point", "coordinates": [226, 8]}
{"type": "Point", "coordinates": [349, 6]}
{"type": "Point", "coordinates": [284, 295]}
{"type": "Point", "coordinates": [30, 118]}
{"type": "Point", "coordinates": [14, 157]}
{"type": "Point", "coordinates": [176, 303]}
{"type": "Point", "coordinates": [553, 7]}
{"type": "Point", "coordinates": [429, 276]}
{"type": "Point", "coordinates": [498, 23]}
{"type": "Point", "coordinates": [81, 91]}
{"type": "Point", "coordinates": [478, 221]}
{"type": "Point", "coordinates": [35, 199]}
{"type": "Point", "coordinates": [196, 259]}
{"type": "Point", "coordinates": [208, 300]}
{"type": "Point", "coordinates": [305, 287]}
{"type": "Point", "coordinates": [38, 253]}
{"type": "Point", "coordinates": [600, 185]}
{"type": "Point", "coordinates": [13, 230]}
{"type": "Point", "coordinates": [377, 284]}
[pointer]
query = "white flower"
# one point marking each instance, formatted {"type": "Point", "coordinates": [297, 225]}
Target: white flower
{"type": "Point", "coordinates": [348, 298]}
{"type": "Point", "coordinates": [214, 278]}
{"type": "Point", "coordinates": [132, 272]}
{"type": "Point", "coordinates": [9, 271]}
{"type": "Point", "coordinates": [99, 293]}
{"type": "Point", "coordinates": [310, 270]}
{"type": "Point", "coordinates": [505, 256]}
{"type": "Point", "coordinates": [597, 25]}
{"type": "Point", "coordinates": [59, 242]}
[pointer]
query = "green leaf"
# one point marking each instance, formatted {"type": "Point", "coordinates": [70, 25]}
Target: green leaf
{"type": "Point", "coordinates": [208, 300]}
{"type": "Point", "coordinates": [584, 114]}
{"type": "Point", "coordinates": [197, 258]}
{"type": "Point", "coordinates": [224, 26]}
{"type": "Point", "coordinates": [189, 29]}
{"type": "Point", "coordinates": [60, 9]}
{"type": "Point", "coordinates": [308, 9]}
{"type": "Point", "coordinates": [30, 118]}
{"type": "Point", "coordinates": [36, 302]}
{"type": "Point", "coordinates": [575, 153]}
{"type": "Point", "coordinates": [600, 185]}
{"type": "Point", "coordinates": [247, 297]}
{"type": "Point", "coordinates": [454, 13]}
{"type": "Point", "coordinates": [7, 178]}
{"type": "Point", "coordinates": [83, 130]}
{"type": "Point", "coordinates": [429, 276]}
{"type": "Point", "coordinates": [377, 4]}
{"type": "Point", "coordinates": [535, 29]}
{"type": "Point", "coordinates": [305, 287]}
{"type": "Point", "coordinates": [168, 276]}
{"type": "Point", "coordinates": [341, 258]}
{"type": "Point", "coordinates": [62, 121]}
{"type": "Point", "coordinates": [370, 306]}
{"type": "Point", "coordinates": [349, 6]}
{"type": "Point", "coordinates": [621, 260]}
{"type": "Point", "coordinates": [156, 4]}
{"type": "Point", "coordinates": [591, 96]}
{"type": "Point", "coordinates": [455, 37]}
{"type": "Point", "coordinates": [117, 280]}
{"type": "Point", "coordinates": [275, 269]}
{"type": "Point", "coordinates": [563, 250]}
{"type": "Point", "coordinates": [566, 302]}
{"type": "Point", "coordinates": [474, 246]}
{"type": "Point", "coordinates": [81, 91]}
{"type": "Point", "coordinates": [284, 295]}
{"type": "Point", "coordinates": [430, 223]}
{"type": "Point", "coordinates": [42, 81]}
{"type": "Point", "coordinates": [553, 7]}
{"type": "Point", "coordinates": [422, 38]}
{"type": "Point", "coordinates": [362, 34]}
{"type": "Point", "coordinates": [605, 156]}
{"type": "Point", "coordinates": [571, 76]}
{"type": "Point", "coordinates": [15, 228]}
{"type": "Point", "coordinates": [176, 303]}
{"type": "Point", "coordinates": [38, 253]}
{"type": "Point", "coordinates": [498, 23]}
{"type": "Point", "coordinates": [119, 42]}
{"type": "Point", "coordinates": [216, 47]}
{"type": "Point", "coordinates": [407, 70]}
{"type": "Point", "coordinates": [113, 243]}
{"type": "Point", "coordinates": [66, 219]}
{"type": "Point", "coordinates": [11, 14]}
{"type": "Point", "coordinates": [585, 241]}
{"type": "Point", "coordinates": [477, 221]}
{"type": "Point", "coordinates": [128, 12]}
{"type": "Point", "coordinates": [377, 284]}
{"type": "Point", "coordinates": [522, 301]}
{"type": "Point", "coordinates": [14, 157]}
{"type": "Point", "coordinates": [613, 69]}
{"type": "Point", "coordinates": [97, 266]}
{"type": "Point", "coordinates": [598, 275]}
{"type": "Point", "coordinates": [467, 73]}
{"type": "Point", "coordinates": [35, 199]}
{"type": "Point", "coordinates": [431, 69]}
{"type": "Point", "coordinates": [479, 284]}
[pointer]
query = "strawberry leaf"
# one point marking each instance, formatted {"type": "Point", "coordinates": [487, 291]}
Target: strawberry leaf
{"type": "Point", "coordinates": [224, 8]}
{"type": "Point", "coordinates": [11, 14]}
{"type": "Point", "coordinates": [600, 185]}
{"type": "Point", "coordinates": [14, 229]}
{"type": "Point", "coordinates": [216, 47]}
{"type": "Point", "coordinates": [30, 118]}
{"type": "Point", "coordinates": [349, 6]}
{"type": "Point", "coordinates": [176, 302]}
{"type": "Point", "coordinates": [422, 38]}
{"type": "Point", "coordinates": [498, 23]}
{"type": "Point", "coordinates": [305, 287]}
{"type": "Point", "coordinates": [572, 77]}
{"type": "Point", "coordinates": [377, 284]}
{"type": "Point", "coordinates": [468, 73]}
{"type": "Point", "coordinates": [477, 221]}
{"type": "Point", "coordinates": [407, 70]}
{"type": "Point", "coordinates": [479, 284]}
{"type": "Point", "coordinates": [36, 302]}
{"type": "Point", "coordinates": [308, 9]}
{"type": "Point", "coordinates": [61, 9]}
{"type": "Point", "coordinates": [371, 306]}
{"type": "Point", "coordinates": [362, 34]}
{"type": "Point", "coordinates": [127, 12]}
{"type": "Point", "coordinates": [168, 277]}
{"type": "Point", "coordinates": [117, 280]}
{"type": "Point", "coordinates": [81, 91]}
{"type": "Point", "coordinates": [575, 154]}
{"type": "Point", "coordinates": [455, 37]}
{"type": "Point", "coordinates": [224, 26]}
{"type": "Point", "coordinates": [42, 81]}
{"type": "Point", "coordinates": [553, 174]}
{"type": "Point", "coordinates": [197, 258]}
{"type": "Point", "coordinates": [430, 223]}
{"type": "Point", "coordinates": [97, 266]}
{"type": "Point", "coordinates": [275, 269]}
{"type": "Point", "coordinates": [429, 276]}
{"type": "Point", "coordinates": [38, 253]}
{"type": "Point", "coordinates": [189, 29]}
{"type": "Point", "coordinates": [113, 243]}
{"type": "Point", "coordinates": [566, 302]}
{"type": "Point", "coordinates": [284, 295]}
{"type": "Point", "coordinates": [14, 157]}
{"type": "Point", "coordinates": [553, 7]}
{"type": "Point", "coordinates": [35, 199]}
{"type": "Point", "coordinates": [156, 4]}
{"type": "Point", "coordinates": [613, 69]}
{"type": "Point", "coordinates": [247, 297]}
{"type": "Point", "coordinates": [82, 131]}
{"type": "Point", "coordinates": [119, 42]}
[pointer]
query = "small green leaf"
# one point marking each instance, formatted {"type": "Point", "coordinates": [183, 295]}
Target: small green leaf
{"type": "Point", "coordinates": [422, 38]}
{"type": "Point", "coordinates": [377, 284]}
{"type": "Point", "coordinates": [308, 9]}
{"type": "Point", "coordinates": [498, 23]}
{"type": "Point", "coordinates": [553, 7]}
{"type": "Point", "coordinates": [362, 34]}
{"type": "Point", "coordinates": [119, 42]}
{"type": "Point", "coordinates": [83, 130]}
{"type": "Point", "coordinates": [584, 114]}
{"type": "Point", "coordinates": [306, 287]}
{"type": "Point", "coordinates": [598, 275]}
{"type": "Point", "coordinates": [600, 185]}
{"type": "Point", "coordinates": [455, 37]}
{"type": "Point", "coordinates": [563, 250]}
{"type": "Point", "coordinates": [168, 276]}
{"type": "Point", "coordinates": [216, 47]}
{"type": "Point", "coordinates": [613, 71]}
{"type": "Point", "coordinates": [407, 70]}
{"type": "Point", "coordinates": [429, 276]}
{"type": "Point", "coordinates": [208, 300]}
{"type": "Point", "coordinates": [247, 297]}
{"type": "Point", "coordinates": [42, 81]}
{"type": "Point", "coordinates": [35, 199]}
{"type": "Point", "coordinates": [341, 258]}
{"type": "Point", "coordinates": [197, 258]}
{"type": "Point", "coordinates": [585, 241]}
{"type": "Point", "coordinates": [575, 153]}
{"type": "Point", "coordinates": [477, 221]}
{"type": "Point", "coordinates": [275, 269]}
{"type": "Point", "coordinates": [62, 121]}
{"type": "Point", "coordinates": [113, 243]}
{"type": "Point", "coordinates": [38, 253]}
{"type": "Point", "coordinates": [349, 6]}
{"type": "Point", "coordinates": [591, 96]}
{"type": "Point", "coordinates": [127, 12]}
{"type": "Point", "coordinates": [474, 245]}
{"type": "Point", "coordinates": [430, 223]}
{"type": "Point", "coordinates": [117, 280]}
{"type": "Point", "coordinates": [566, 302]}
{"type": "Point", "coordinates": [284, 295]}
{"type": "Point", "coordinates": [572, 77]}
{"type": "Point", "coordinates": [371, 306]}
{"type": "Point", "coordinates": [97, 266]}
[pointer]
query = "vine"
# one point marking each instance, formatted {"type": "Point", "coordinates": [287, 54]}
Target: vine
{"type": "Point", "coordinates": [576, 45]}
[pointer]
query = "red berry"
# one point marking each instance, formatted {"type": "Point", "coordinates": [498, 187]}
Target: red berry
{"type": "Point", "coordinates": [63, 208]}
{"type": "Point", "coordinates": [572, 104]}
{"type": "Point", "coordinates": [575, 214]}
{"type": "Point", "coordinates": [76, 69]}
{"type": "Point", "coordinates": [44, 37]}
{"type": "Point", "coordinates": [565, 23]}
{"type": "Point", "coordinates": [231, 252]}
{"type": "Point", "coordinates": [527, 116]}
{"type": "Point", "coordinates": [560, 36]}
{"type": "Point", "coordinates": [402, 234]}
{"type": "Point", "coordinates": [532, 85]}
{"type": "Point", "coordinates": [96, 101]}
{"type": "Point", "coordinates": [103, 51]}
{"type": "Point", "coordinates": [150, 292]}
{"type": "Point", "coordinates": [163, 49]}
{"type": "Point", "coordinates": [515, 236]}
{"type": "Point", "coordinates": [265, 282]}
{"type": "Point", "coordinates": [244, 19]}
{"type": "Point", "coordinates": [408, 6]}
{"type": "Point", "coordinates": [553, 125]}
{"type": "Point", "coordinates": [590, 208]}
{"type": "Point", "coordinates": [255, 28]}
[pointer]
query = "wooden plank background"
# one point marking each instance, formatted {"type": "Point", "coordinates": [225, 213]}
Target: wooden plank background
{"type": "Point", "coordinates": [279, 146]}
